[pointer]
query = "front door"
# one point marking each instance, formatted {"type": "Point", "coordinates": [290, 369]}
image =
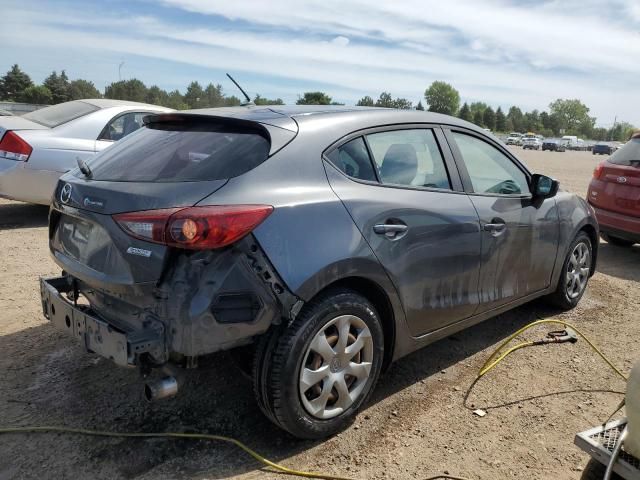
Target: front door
{"type": "Point", "coordinates": [424, 232]}
{"type": "Point", "coordinates": [519, 234]}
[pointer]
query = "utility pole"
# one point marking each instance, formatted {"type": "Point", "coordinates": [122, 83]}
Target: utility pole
{"type": "Point", "coordinates": [120, 70]}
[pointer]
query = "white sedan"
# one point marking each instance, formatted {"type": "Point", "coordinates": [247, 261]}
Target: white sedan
{"type": "Point", "coordinates": [37, 148]}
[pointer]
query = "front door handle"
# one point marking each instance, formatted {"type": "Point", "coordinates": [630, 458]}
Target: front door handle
{"type": "Point", "coordinates": [496, 227]}
{"type": "Point", "coordinates": [390, 229]}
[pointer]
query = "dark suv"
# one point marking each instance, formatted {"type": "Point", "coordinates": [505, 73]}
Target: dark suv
{"type": "Point", "coordinates": [602, 149]}
{"type": "Point", "coordinates": [320, 243]}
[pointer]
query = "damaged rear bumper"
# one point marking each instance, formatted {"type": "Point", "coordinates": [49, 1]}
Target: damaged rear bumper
{"type": "Point", "coordinates": [205, 302]}
{"type": "Point", "coordinates": [95, 334]}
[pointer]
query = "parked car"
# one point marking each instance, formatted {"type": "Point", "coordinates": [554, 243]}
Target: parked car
{"type": "Point", "coordinates": [38, 147]}
{"type": "Point", "coordinates": [531, 143]}
{"type": "Point", "coordinates": [514, 138]}
{"type": "Point", "coordinates": [602, 148]}
{"type": "Point", "coordinates": [553, 145]}
{"type": "Point", "coordinates": [326, 242]}
{"type": "Point", "coordinates": [614, 193]}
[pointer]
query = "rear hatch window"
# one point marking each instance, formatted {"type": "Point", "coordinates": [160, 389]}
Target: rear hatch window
{"type": "Point", "coordinates": [62, 113]}
{"type": "Point", "coordinates": [183, 151]}
{"type": "Point", "coordinates": [628, 155]}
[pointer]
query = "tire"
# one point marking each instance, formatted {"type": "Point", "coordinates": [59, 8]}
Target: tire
{"type": "Point", "coordinates": [617, 241]}
{"type": "Point", "coordinates": [595, 471]}
{"type": "Point", "coordinates": [290, 398]}
{"type": "Point", "coordinates": [569, 291]}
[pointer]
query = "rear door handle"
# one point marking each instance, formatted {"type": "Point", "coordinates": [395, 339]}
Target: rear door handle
{"type": "Point", "coordinates": [390, 229]}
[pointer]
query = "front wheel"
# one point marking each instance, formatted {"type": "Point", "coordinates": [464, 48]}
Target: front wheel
{"type": "Point", "coordinates": [575, 273]}
{"type": "Point", "coordinates": [312, 376]}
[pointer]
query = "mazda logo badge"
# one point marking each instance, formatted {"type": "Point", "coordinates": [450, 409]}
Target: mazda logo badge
{"type": "Point", "coordinates": [65, 193]}
{"type": "Point", "coordinates": [622, 179]}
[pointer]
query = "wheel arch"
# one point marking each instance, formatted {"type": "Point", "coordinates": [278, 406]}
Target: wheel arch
{"type": "Point", "coordinates": [591, 231]}
{"type": "Point", "coordinates": [378, 296]}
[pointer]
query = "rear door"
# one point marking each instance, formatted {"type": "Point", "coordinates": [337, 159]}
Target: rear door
{"type": "Point", "coordinates": [617, 186]}
{"type": "Point", "coordinates": [519, 234]}
{"type": "Point", "coordinates": [404, 193]}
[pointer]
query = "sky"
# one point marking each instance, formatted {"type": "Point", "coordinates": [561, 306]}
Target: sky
{"type": "Point", "coordinates": [503, 52]}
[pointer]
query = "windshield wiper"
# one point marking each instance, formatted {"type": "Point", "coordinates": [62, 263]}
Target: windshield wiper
{"type": "Point", "coordinates": [84, 167]}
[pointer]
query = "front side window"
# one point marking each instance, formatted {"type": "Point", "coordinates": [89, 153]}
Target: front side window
{"type": "Point", "coordinates": [409, 157]}
{"type": "Point", "coordinates": [122, 126]}
{"type": "Point", "coordinates": [353, 159]}
{"type": "Point", "coordinates": [490, 170]}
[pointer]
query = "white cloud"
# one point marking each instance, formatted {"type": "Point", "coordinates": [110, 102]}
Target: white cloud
{"type": "Point", "coordinates": [490, 50]}
{"type": "Point", "coordinates": [341, 41]}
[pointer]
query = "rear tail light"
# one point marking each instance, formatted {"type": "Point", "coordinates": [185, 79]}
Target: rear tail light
{"type": "Point", "coordinates": [597, 172]}
{"type": "Point", "coordinates": [12, 147]}
{"type": "Point", "coordinates": [196, 228]}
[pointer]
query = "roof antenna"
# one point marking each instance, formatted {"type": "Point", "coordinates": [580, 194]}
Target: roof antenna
{"type": "Point", "coordinates": [248, 102]}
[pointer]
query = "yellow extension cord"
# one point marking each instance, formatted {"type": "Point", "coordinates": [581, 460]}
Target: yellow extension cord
{"type": "Point", "coordinates": [491, 363]}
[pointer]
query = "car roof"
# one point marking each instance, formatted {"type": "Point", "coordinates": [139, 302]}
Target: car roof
{"type": "Point", "coordinates": [108, 103]}
{"type": "Point", "coordinates": [350, 118]}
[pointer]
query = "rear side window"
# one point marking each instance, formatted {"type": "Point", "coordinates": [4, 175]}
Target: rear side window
{"type": "Point", "coordinates": [182, 152]}
{"type": "Point", "coordinates": [353, 159]}
{"type": "Point", "coordinates": [409, 157]}
{"type": "Point", "coordinates": [62, 113]}
{"type": "Point", "coordinates": [628, 154]}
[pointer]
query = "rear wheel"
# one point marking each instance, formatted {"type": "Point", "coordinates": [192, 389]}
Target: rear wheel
{"type": "Point", "coordinates": [311, 377]}
{"type": "Point", "coordinates": [617, 241]}
{"type": "Point", "coordinates": [575, 273]}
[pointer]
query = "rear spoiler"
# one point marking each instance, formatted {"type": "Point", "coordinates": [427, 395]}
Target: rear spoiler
{"type": "Point", "coordinates": [279, 130]}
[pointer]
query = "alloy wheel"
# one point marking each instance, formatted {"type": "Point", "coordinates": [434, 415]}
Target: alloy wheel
{"type": "Point", "coordinates": [578, 269]}
{"type": "Point", "coordinates": [336, 366]}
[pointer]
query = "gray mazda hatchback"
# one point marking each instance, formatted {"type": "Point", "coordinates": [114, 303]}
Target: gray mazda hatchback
{"type": "Point", "coordinates": [319, 243]}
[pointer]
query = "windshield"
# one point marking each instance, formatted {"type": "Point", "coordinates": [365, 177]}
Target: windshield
{"type": "Point", "coordinates": [62, 113]}
{"type": "Point", "coordinates": [628, 154]}
{"type": "Point", "coordinates": [182, 152]}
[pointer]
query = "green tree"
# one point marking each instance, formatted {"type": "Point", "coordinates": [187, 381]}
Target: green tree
{"type": "Point", "coordinates": [133, 90]}
{"type": "Point", "coordinates": [402, 104]}
{"type": "Point", "coordinates": [365, 101]}
{"type": "Point", "coordinates": [442, 98]}
{"type": "Point", "coordinates": [531, 121]}
{"type": "Point", "coordinates": [156, 96]}
{"type": "Point", "coordinates": [14, 83]}
{"type": "Point", "coordinates": [620, 132]}
{"type": "Point", "coordinates": [176, 100]}
{"type": "Point", "coordinates": [232, 101]}
{"type": "Point", "coordinates": [571, 114]}
{"type": "Point", "coordinates": [478, 107]}
{"type": "Point", "coordinates": [419, 106]}
{"type": "Point", "coordinates": [465, 113]}
{"type": "Point", "coordinates": [213, 95]}
{"type": "Point", "coordinates": [517, 119]}
{"type": "Point", "coordinates": [489, 118]}
{"type": "Point", "coordinates": [314, 98]}
{"type": "Point", "coordinates": [478, 118]}
{"type": "Point", "coordinates": [36, 94]}
{"type": "Point", "coordinates": [385, 100]}
{"type": "Point", "coordinates": [58, 85]}
{"type": "Point", "coordinates": [194, 97]}
{"type": "Point", "coordinates": [501, 121]}
{"type": "Point", "coordinates": [266, 101]}
{"type": "Point", "coordinates": [79, 89]}
{"type": "Point", "coordinates": [600, 133]}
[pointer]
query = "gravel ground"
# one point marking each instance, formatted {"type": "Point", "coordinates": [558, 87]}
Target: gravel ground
{"type": "Point", "coordinates": [418, 424]}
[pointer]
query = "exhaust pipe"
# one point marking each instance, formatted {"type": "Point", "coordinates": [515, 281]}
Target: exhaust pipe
{"type": "Point", "coordinates": [164, 388]}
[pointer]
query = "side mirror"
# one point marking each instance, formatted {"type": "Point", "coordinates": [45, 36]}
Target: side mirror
{"type": "Point", "coordinates": [543, 186]}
